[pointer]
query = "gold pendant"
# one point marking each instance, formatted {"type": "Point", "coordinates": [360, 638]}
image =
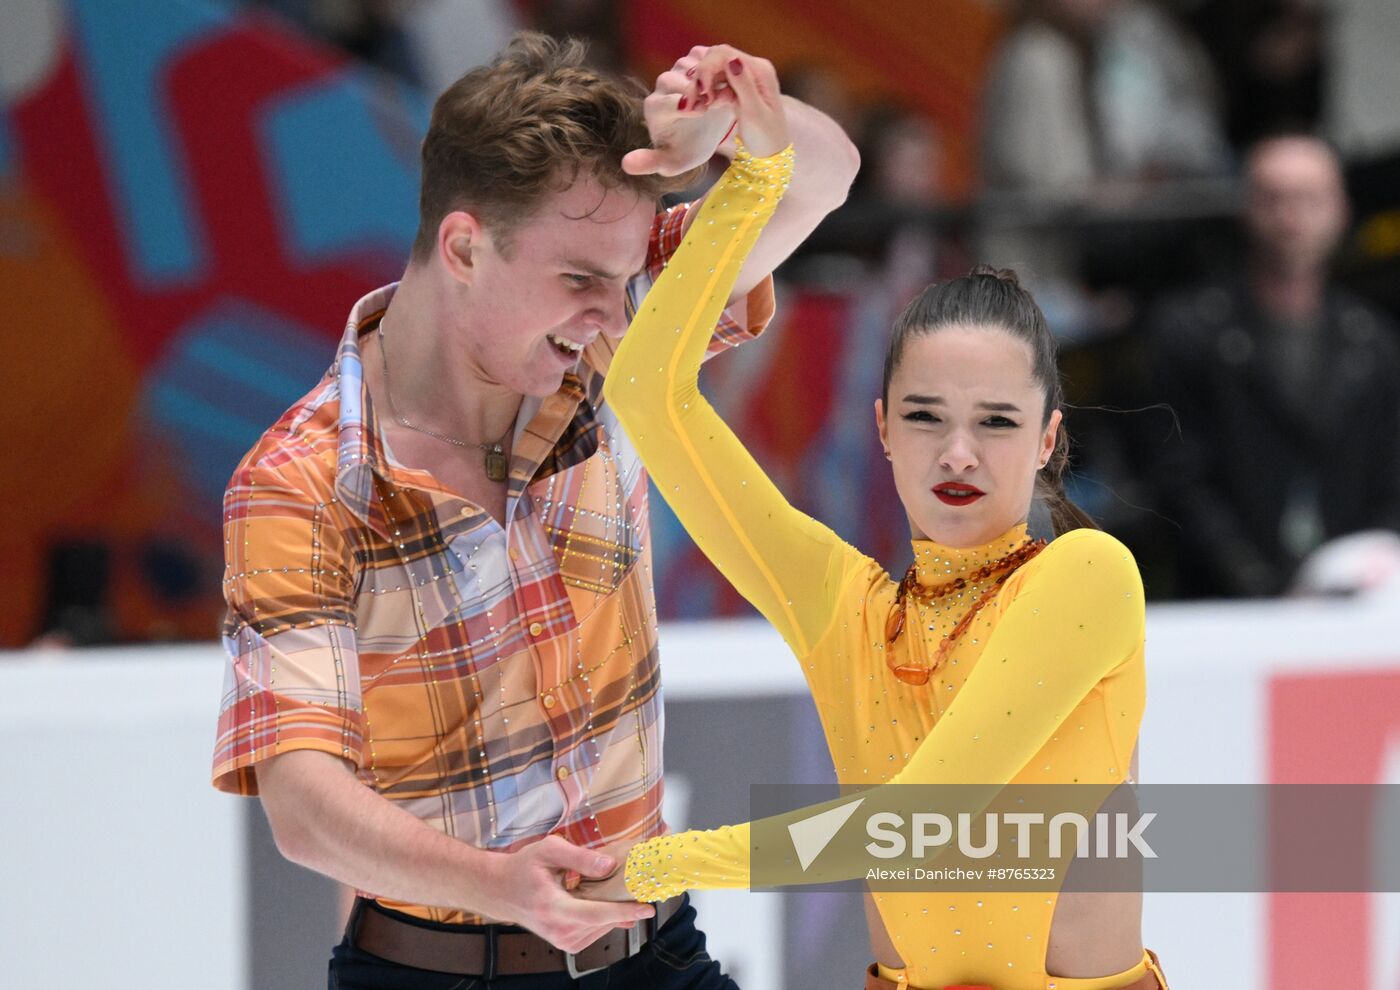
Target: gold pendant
{"type": "Point", "coordinates": [496, 465]}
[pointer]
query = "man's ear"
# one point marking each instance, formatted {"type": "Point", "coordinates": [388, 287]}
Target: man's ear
{"type": "Point", "coordinates": [460, 234]}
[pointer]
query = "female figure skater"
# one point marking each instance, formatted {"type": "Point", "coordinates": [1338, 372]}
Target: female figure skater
{"type": "Point", "coordinates": [996, 659]}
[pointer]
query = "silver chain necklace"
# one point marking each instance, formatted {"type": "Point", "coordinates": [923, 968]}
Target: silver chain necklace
{"type": "Point", "coordinates": [496, 464]}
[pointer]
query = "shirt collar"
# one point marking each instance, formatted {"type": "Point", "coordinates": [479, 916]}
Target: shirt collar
{"type": "Point", "coordinates": [550, 435]}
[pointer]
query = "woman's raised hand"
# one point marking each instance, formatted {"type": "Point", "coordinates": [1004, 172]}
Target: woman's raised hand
{"type": "Point", "coordinates": [751, 83]}
{"type": "Point", "coordinates": [695, 102]}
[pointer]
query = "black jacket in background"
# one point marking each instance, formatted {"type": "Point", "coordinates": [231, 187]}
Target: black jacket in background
{"type": "Point", "coordinates": [1247, 448]}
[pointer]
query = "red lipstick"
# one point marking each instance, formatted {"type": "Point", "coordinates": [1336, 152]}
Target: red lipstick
{"type": "Point", "coordinates": [957, 493]}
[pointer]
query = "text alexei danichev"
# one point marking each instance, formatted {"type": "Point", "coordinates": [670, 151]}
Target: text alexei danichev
{"type": "Point", "coordinates": [958, 873]}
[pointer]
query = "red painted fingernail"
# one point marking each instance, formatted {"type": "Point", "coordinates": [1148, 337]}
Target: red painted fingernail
{"type": "Point", "coordinates": [736, 67]}
{"type": "Point", "coordinates": [681, 104]}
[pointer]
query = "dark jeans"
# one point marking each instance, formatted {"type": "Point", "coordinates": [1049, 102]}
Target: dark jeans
{"type": "Point", "coordinates": [674, 960]}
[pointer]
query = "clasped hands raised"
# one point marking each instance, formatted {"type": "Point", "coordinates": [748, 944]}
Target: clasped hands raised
{"type": "Point", "coordinates": [697, 102]}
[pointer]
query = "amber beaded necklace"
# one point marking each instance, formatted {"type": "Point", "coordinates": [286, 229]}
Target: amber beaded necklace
{"type": "Point", "coordinates": [1002, 567]}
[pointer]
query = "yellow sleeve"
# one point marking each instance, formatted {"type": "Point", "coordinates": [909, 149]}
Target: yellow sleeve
{"type": "Point", "coordinates": [788, 565]}
{"type": "Point", "coordinates": [1075, 619]}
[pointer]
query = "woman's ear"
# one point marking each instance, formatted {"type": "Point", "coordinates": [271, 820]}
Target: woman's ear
{"type": "Point", "coordinates": [882, 427]}
{"type": "Point", "coordinates": [1052, 432]}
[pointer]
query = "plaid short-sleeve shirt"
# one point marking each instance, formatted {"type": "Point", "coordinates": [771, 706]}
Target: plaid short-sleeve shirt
{"type": "Point", "coordinates": [500, 684]}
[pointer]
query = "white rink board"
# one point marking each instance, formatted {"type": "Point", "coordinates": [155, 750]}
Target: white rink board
{"type": "Point", "coordinates": [123, 866]}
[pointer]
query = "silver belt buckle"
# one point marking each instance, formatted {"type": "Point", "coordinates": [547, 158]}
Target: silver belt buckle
{"type": "Point", "coordinates": [634, 945]}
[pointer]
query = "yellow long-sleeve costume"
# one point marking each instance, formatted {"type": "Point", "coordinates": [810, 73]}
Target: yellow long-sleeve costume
{"type": "Point", "coordinates": [1046, 687]}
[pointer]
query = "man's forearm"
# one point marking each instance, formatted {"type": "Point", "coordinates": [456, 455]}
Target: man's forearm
{"type": "Point", "coordinates": [827, 160]}
{"type": "Point", "coordinates": [326, 820]}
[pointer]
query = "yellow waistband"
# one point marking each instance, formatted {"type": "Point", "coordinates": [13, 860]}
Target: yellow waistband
{"type": "Point", "coordinates": [1123, 979]}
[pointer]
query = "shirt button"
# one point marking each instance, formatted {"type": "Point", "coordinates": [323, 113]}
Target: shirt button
{"type": "Point", "coordinates": [536, 629]}
{"type": "Point", "coordinates": [550, 701]}
{"type": "Point", "coordinates": [466, 512]}
{"type": "Point", "coordinates": [562, 773]}
{"type": "Point", "coordinates": [514, 554]}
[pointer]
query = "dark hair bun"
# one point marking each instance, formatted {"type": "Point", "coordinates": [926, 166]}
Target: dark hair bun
{"type": "Point", "coordinates": [1006, 275]}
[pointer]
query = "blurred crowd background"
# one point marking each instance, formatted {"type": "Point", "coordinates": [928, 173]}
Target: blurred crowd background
{"type": "Point", "coordinates": [1203, 194]}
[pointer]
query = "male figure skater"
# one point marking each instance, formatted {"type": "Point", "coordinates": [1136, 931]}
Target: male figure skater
{"type": "Point", "coordinates": [443, 677]}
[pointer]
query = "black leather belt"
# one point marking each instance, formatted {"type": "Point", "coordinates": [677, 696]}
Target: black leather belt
{"type": "Point", "coordinates": [492, 950]}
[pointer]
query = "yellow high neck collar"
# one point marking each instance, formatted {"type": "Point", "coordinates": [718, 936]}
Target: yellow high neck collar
{"type": "Point", "coordinates": [937, 564]}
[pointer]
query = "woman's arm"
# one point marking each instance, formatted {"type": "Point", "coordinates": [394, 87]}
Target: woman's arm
{"type": "Point", "coordinates": [685, 138]}
{"type": "Point", "coordinates": [1079, 616]}
{"type": "Point", "coordinates": [787, 564]}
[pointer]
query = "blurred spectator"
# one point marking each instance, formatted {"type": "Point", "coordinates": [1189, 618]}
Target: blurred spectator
{"type": "Point", "coordinates": [901, 159]}
{"type": "Point", "coordinates": [448, 38]}
{"type": "Point", "coordinates": [901, 171]}
{"type": "Point", "coordinates": [1088, 101]}
{"type": "Point", "coordinates": [1288, 390]}
{"type": "Point", "coordinates": [1089, 90]}
{"type": "Point", "coordinates": [102, 591]}
{"type": "Point", "coordinates": [1363, 112]}
{"type": "Point", "coordinates": [599, 22]}
{"type": "Point", "coordinates": [1272, 62]}
{"type": "Point", "coordinates": [77, 603]}
{"type": "Point", "coordinates": [426, 43]}
{"type": "Point", "coordinates": [369, 29]}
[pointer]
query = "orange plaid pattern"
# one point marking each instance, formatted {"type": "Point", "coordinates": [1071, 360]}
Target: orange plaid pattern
{"type": "Point", "coordinates": [500, 683]}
